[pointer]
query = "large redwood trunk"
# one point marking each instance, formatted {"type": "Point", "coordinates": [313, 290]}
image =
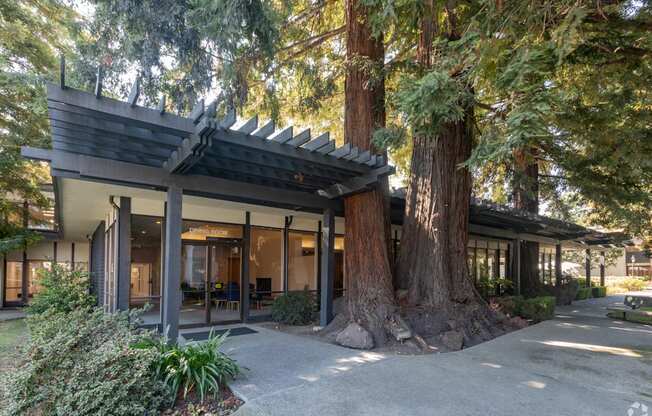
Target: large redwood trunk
{"type": "Point", "coordinates": [525, 196]}
{"type": "Point", "coordinates": [369, 279]}
{"type": "Point", "coordinates": [433, 260]}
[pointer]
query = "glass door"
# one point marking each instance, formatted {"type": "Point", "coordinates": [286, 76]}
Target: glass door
{"type": "Point", "coordinates": [194, 275]}
{"type": "Point", "coordinates": [225, 281]}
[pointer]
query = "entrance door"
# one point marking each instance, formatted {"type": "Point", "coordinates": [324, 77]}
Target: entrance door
{"type": "Point", "coordinates": [210, 282]}
{"type": "Point", "coordinates": [225, 280]}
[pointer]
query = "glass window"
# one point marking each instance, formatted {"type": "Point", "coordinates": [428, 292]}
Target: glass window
{"type": "Point", "coordinates": [196, 230]}
{"type": "Point", "coordinates": [33, 274]}
{"type": "Point", "coordinates": [339, 279]}
{"type": "Point", "coordinates": [265, 268]}
{"type": "Point", "coordinates": [13, 282]}
{"type": "Point", "coordinates": [145, 285]}
{"type": "Point", "coordinates": [302, 261]}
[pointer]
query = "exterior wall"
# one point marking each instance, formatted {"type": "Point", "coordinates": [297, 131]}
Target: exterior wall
{"type": "Point", "coordinates": [96, 266]}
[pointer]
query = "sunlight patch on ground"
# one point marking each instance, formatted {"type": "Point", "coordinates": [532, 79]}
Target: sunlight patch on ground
{"type": "Point", "coordinates": [570, 325]}
{"type": "Point", "coordinates": [492, 365]}
{"type": "Point", "coordinates": [624, 352]}
{"type": "Point", "coordinates": [365, 357]}
{"type": "Point", "coordinates": [643, 331]}
{"type": "Point", "coordinates": [535, 384]}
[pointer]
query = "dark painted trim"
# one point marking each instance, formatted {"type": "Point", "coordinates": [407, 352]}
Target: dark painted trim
{"type": "Point", "coordinates": [72, 255]}
{"type": "Point", "coordinates": [172, 295]}
{"type": "Point", "coordinates": [558, 275]}
{"type": "Point", "coordinates": [245, 278]}
{"type": "Point", "coordinates": [54, 252]}
{"type": "Point", "coordinates": [124, 253]}
{"type": "Point", "coordinates": [162, 276]}
{"type": "Point", "coordinates": [327, 267]}
{"type": "Point", "coordinates": [286, 255]}
{"type": "Point", "coordinates": [587, 266]}
{"type": "Point", "coordinates": [602, 267]}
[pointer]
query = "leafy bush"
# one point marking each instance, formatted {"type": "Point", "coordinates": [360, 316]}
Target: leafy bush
{"type": "Point", "coordinates": [200, 367]}
{"type": "Point", "coordinates": [509, 305]}
{"type": "Point", "coordinates": [599, 291]}
{"type": "Point", "coordinates": [633, 284]}
{"type": "Point", "coordinates": [537, 309]}
{"type": "Point", "coordinates": [583, 293]}
{"type": "Point", "coordinates": [81, 363]}
{"type": "Point", "coordinates": [61, 291]}
{"type": "Point", "coordinates": [294, 308]}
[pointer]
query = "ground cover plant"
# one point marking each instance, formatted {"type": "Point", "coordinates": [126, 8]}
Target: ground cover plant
{"type": "Point", "coordinates": [294, 308]}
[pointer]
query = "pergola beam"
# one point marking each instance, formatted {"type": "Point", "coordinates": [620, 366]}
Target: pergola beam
{"type": "Point", "coordinates": [98, 169]}
{"type": "Point", "coordinates": [357, 184]}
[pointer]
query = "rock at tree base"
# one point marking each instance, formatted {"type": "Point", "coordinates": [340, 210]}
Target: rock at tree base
{"type": "Point", "coordinates": [399, 329]}
{"type": "Point", "coordinates": [452, 340]}
{"type": "Point", "coordinates": [355, 336]}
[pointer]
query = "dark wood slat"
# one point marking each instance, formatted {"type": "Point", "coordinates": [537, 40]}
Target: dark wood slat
{"type": "Point", "coordinates": [112, 127]}
{"type": "Point", "coordinates": [299, 139]}
{"type": "Point", "coordinates": [342, 151]}
{"type": "Point", "coordinates": [352, 154]}
{"type": "Point", "coordinates": [326, 149]}
{"type": "Point", "coordinates": [197, 111]}
{"type": "Point", "coordinates": [283, 135]}
{"type": "Point", "coordinates": [95, 151]}
{"type": "Point", "coordinates": [62, 72]}
{"type": "Point", "coordinates": [249, 126]}
{"type": "Point", "coordinates": [134, 93]}
{"type": "Point", "coordinates": [107, 140]}
{"type": "Point", "coordinates": [138, 116]}
{"type": "Point", "coordinates": [265, 130]}
{"type": "Point", "coordinates": [317, 142]}
{"type": "Point", "coordinates": [363, 157]}
{"type": "Point", "coordinates": [98, 82]}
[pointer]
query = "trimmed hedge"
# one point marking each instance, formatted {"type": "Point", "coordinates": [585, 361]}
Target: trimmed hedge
{"type": "Point", "coordinates": [294, 308]}
{"type": "Point", "coordinates": [583, 293]}
{"type": "Point", "coordinates": [538, 309]}
{"type": "Point", "coordinates": [599, 291]}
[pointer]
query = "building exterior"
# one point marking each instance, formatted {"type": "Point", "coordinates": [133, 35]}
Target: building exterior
{"type": "Point", "coordinates": [209, 220]}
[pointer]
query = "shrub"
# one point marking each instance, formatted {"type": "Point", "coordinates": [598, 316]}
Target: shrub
{"type": "Point", "coordinates": [294, 308]}
{"type": "Point", "coordinates": [61, 291]}
{"type": "Point", "coordinates": [509, 305]}
{"type": "Point", "coordinates": [633, 284]}
{"type": "Point", "coordinates": [200, 367]}
{"type": "Point", "coordinates": [81, 363]}
{"type": "Point", "coordinates": [537, 309]}
{"type": "Point", "coordinates": [583, 293]}
{"type": "Point", "coordinates": [599, 291]}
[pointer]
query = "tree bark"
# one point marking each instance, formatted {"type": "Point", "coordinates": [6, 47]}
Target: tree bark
{"type": "Point", "coordinates": [433, 260]}
{"type": "Point", "coordinates": [369, 279]}
{"type": "Point", "coordinates": [525, 195]}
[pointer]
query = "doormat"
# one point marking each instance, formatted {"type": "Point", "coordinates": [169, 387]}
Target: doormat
{"type": "Point", "coordinates": [233, 332]}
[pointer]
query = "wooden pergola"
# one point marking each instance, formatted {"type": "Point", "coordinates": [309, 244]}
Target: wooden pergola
{"type": "Point", "coordinates": [98, 138]}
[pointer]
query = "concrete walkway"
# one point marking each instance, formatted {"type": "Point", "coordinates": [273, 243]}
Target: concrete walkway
{"type": "Point", "coordinates": [581, 363]}
{"type": "Point", "coordinates": [11, 314]}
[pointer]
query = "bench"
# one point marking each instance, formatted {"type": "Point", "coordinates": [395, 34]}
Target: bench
{"type": "Point", "coordinates": [631, 315]}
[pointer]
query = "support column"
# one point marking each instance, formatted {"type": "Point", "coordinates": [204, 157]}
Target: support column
{"type": "Point", "coordinates": [327, 267]}
{"type": "Point", "coordinates": [587, 266]}
{"type": "Point", "coordinates": [124, 253]}
{"type": "Point", "coordinates": [318, 252]}
{"type": "Point", "coordinates": [602, 266]}
{"type": "Point", "coordinates": [24, 286]}
{"type": "Point", "coordinates": [517, 266]}
{"type": "Point", "coordinates": [162, 274]}
{"type": "Point", "coordinates": [558, 265]}
{"type": "Point", "coordinates": [246, 247]}
{"type": "Point", "coordinates": [172, 285]}
{"type": "Point", "coordinates": [286, 237]}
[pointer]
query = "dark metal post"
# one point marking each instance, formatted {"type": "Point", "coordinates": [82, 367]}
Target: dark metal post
{"type": "Point", "coordinates": [327, 267]}
{"type": "Point", "coordinates": [587, 266]}
{"type": "Point", "coordinates": [162, 275]}
{"type": "Point", "coordinates": [172, 288]}
{"type": "Point", "coordinates": [517, 265]}
{"type": "Point", "coordinates": [318, 250]}
{"type": "Point", "coordinates": [286, 236]}
{"type": "Point", "coordinates": [558, 265]}
{"type": "Point", "coordinates": [602, 266]}
{"type": "Point", "coordinates": [246, 247]}
{"type": "Point", "coordinates": [124, 253]}
{"type": "Point", "coordinates": [24, 286]}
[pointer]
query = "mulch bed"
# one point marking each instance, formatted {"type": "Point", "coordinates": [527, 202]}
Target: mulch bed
{"type": "Point", "coordinates": [225, 404]}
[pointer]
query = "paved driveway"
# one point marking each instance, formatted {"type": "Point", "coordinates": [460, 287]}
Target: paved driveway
{"type": "Point", "coordinates": [580, 363]}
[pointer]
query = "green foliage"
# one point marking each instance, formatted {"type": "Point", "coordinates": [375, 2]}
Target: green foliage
{"type": "Point", "coordinates": [584, 293]}
{"type": "Point", "coordinates": [294, 308]}
{"type": "Point", "coordinates": [598, 291]}
{"type": "Point", "coordinates": [81, 363]}
{"type": "Point", "coordinates": [200, 367]}
{"type": "Point", "coordinates": [537, 309]}
{"type": "Point", "coordinates": [633, 284]}
{"type": "Point", "coordinates": [509, 305]}
{"type": "Point", "coordinates": [61, 291]}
